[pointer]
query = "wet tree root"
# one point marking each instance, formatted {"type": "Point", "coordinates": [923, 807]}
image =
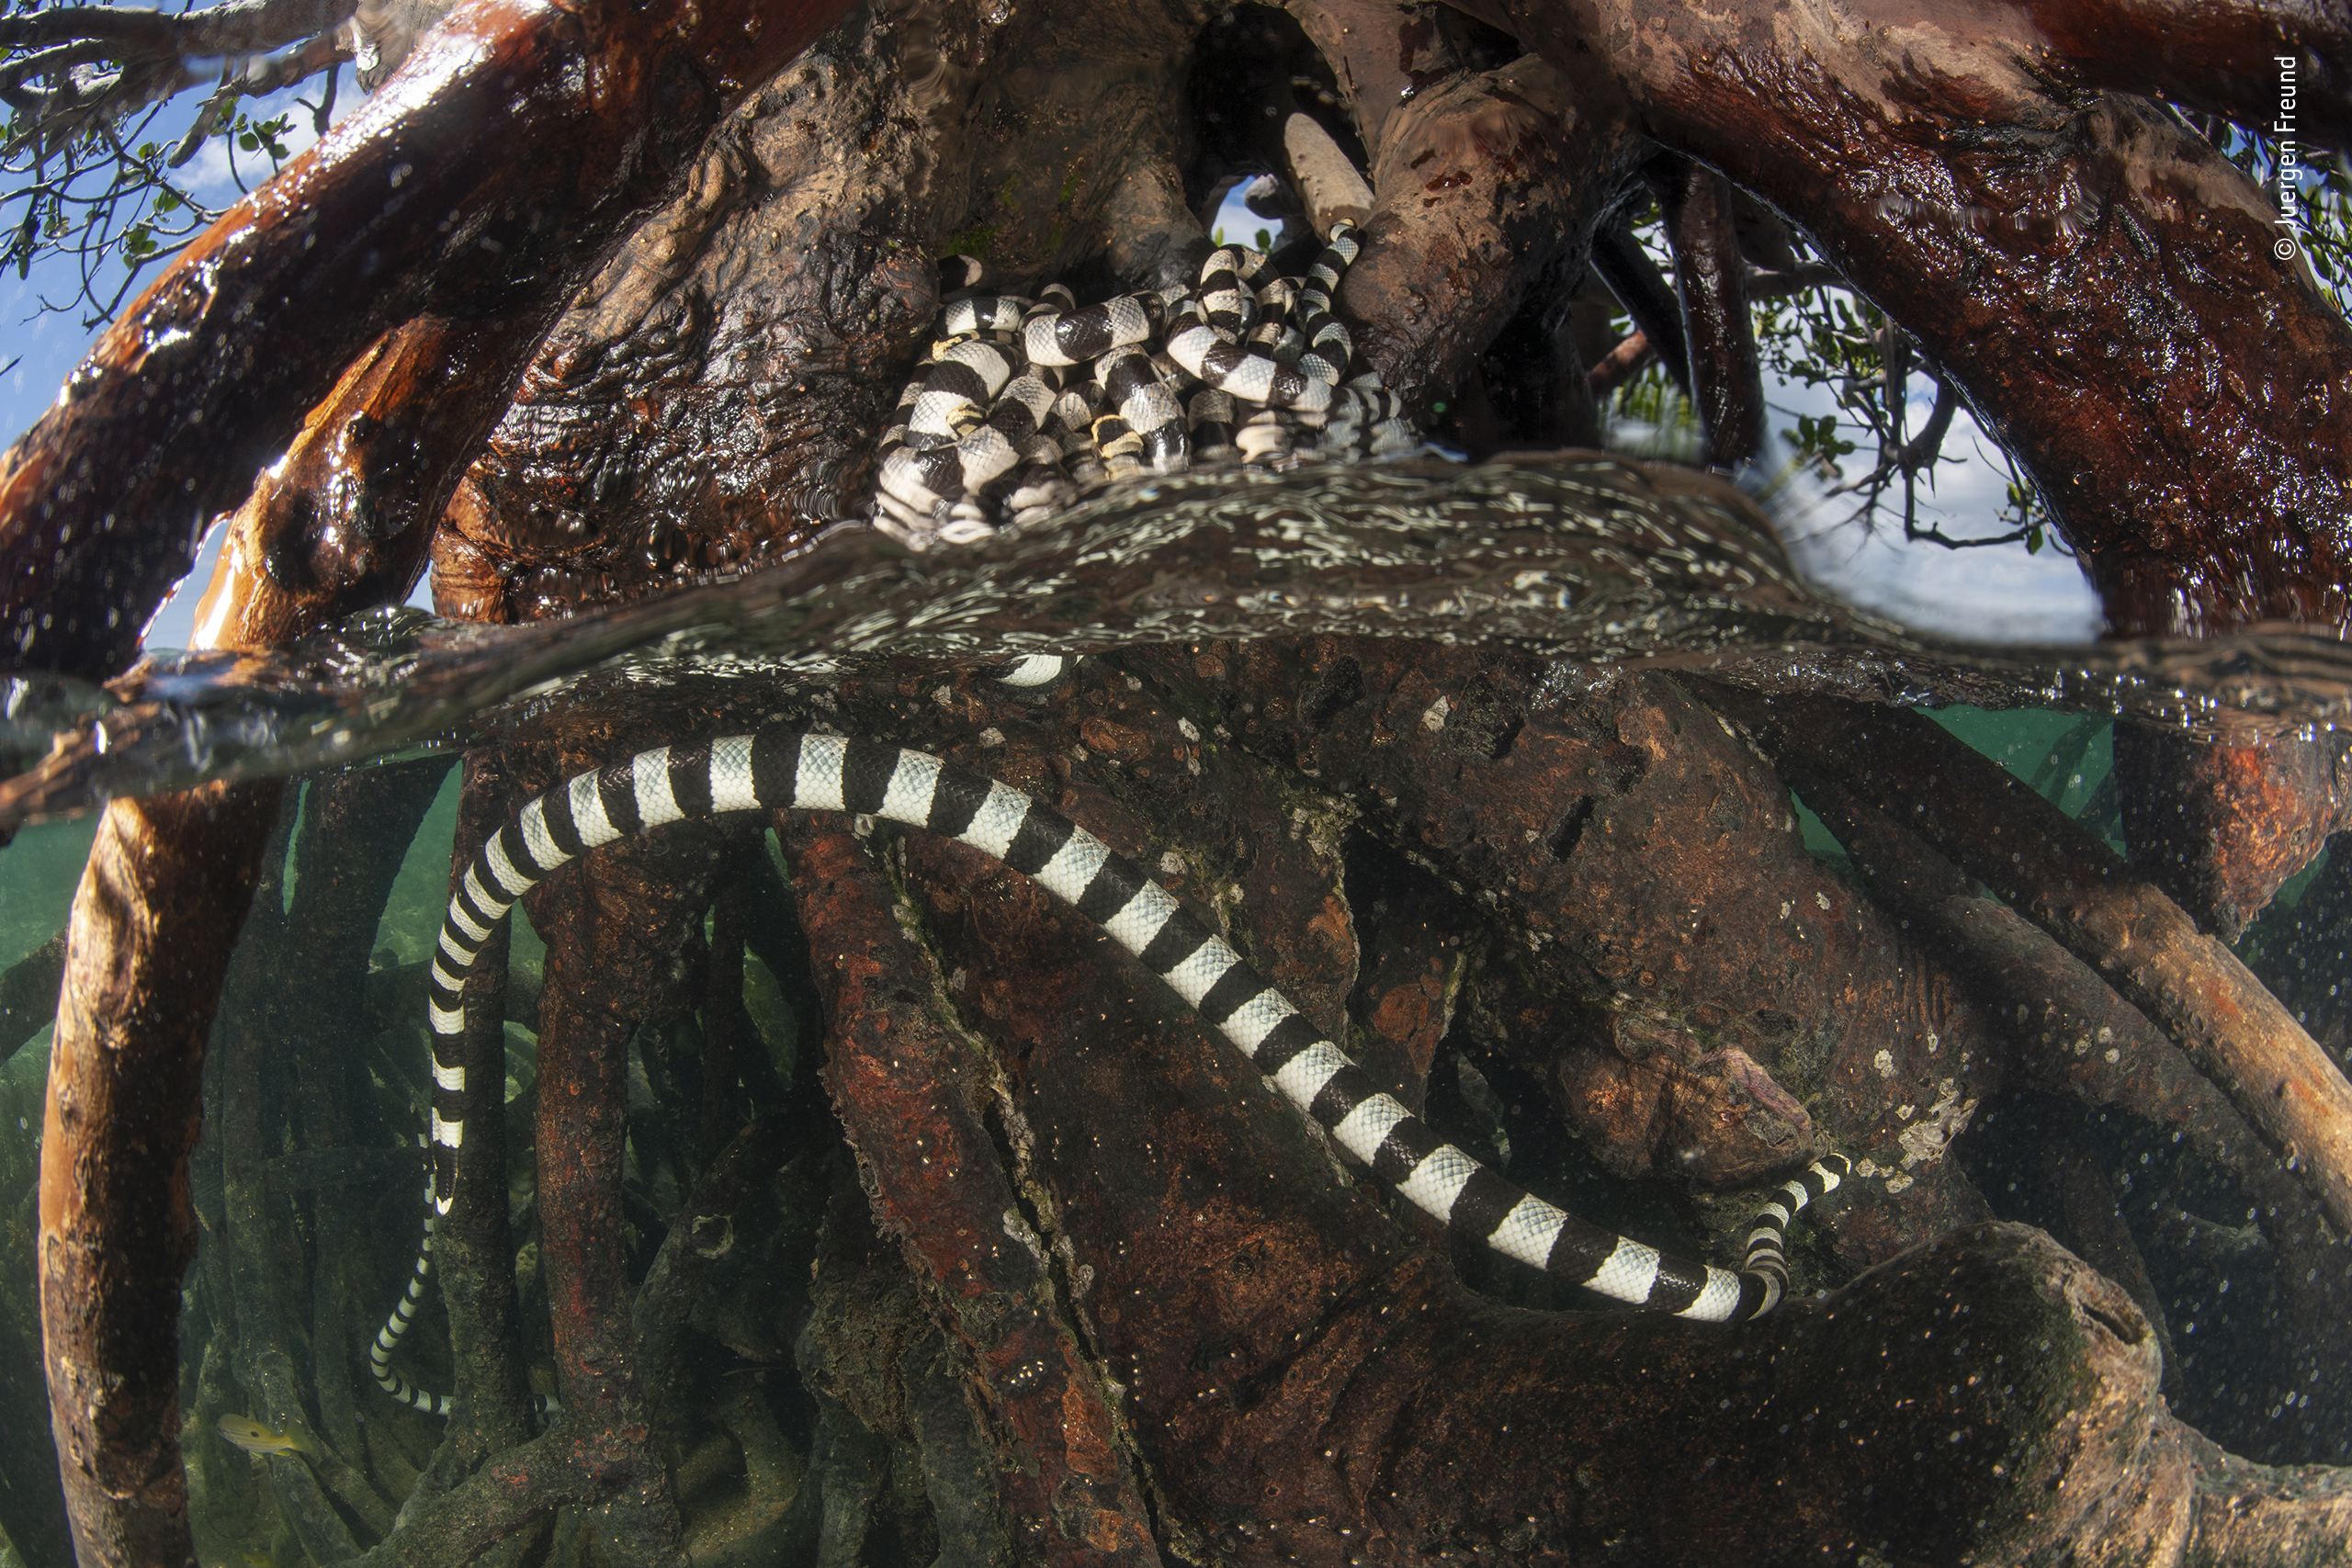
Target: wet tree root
{"type": "Point", "coordinates": [158, 910]}
{"type": "Point", "coordinates": [1299, 1381]}
{"type": "Point", "coordinates": [918, 1098]}
{"type": "Point", "coordinates": [2056, 874]}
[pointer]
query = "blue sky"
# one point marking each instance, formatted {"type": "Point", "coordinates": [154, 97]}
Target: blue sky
{"type": "Point", "coordinates": [2000, 593]}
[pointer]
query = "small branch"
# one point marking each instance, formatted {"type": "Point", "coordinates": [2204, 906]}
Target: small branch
{"type": "Point", "coordinates": [1622, 364]}
{"type": "Point", "coordinates": [59, 58]}
{"type": "Point", "coordinates": [254, 27]}
{"type": "Point", "coordinates": [1648, 297]}
{"type": "Point", "coordinates": [1768, 285]}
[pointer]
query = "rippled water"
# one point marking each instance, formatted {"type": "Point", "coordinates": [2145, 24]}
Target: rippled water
{"type": "Point", "coordinates": [1585, 558]}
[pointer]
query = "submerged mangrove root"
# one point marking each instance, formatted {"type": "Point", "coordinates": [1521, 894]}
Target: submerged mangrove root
{"type": "Point", "coordinates": [2060, 877]}
{"type": "Point", "coordinates": [1126, 1303]}
{"type": "Point", "coordinates": [1295, 1368]}
{"type": "Point", "coordinates": [167, 886]}
{"type": "Point", "coordinates": [893, 1070]}
{"type": "Point", "coordinates": [2219, 826]}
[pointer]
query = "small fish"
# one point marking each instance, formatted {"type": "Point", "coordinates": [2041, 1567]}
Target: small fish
{"type": "Point", "coordinates": [256, 1439]}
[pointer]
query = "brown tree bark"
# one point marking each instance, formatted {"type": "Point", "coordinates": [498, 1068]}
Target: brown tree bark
{"type": "Point", "coordinates": [345, 520]}
{"type": "Point", "coordinates": [436, 197]}
{"type": "Point", "coordinates": [1708, 269]}
{"type": "Point", "coordinates": [2209, 494]}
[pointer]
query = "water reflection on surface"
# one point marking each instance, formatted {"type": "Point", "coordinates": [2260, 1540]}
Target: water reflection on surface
{"type": "Point", "coordinates": [1586, 559]}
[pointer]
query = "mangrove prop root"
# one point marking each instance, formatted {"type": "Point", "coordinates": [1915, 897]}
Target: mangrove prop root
{"type": "Point", "coordinates": [1309, 1386]}
{"type": "Point", "coordinates": [2082, 226]}
{"type": "Point", "coordinates": [915, 1099]}
{"type": "Point", "coordinates": [2064, 880]}
{"type": "Point", "coordinates": [2220, 825]}
{"type": "Point", "coordinates": [473, 1251]}
{"type": "Point", "coordinates": [1726, 378]}
{"type": "Point", "coordinates": [1479, 179]}
{"type": "Point", "coordinates": [166, 888]}
{"type": "Point", "coordinates": [345, 520]}
{"type": "Point", "coordinates": [265, 1264]}
{"type": "Point", "coordinates": [1648, 297]}
{"type": "Point", "coordinates": [2221, 58]}
{"type": "Point", "coordinates": [1601, 825]}
{"type": "Point", "coordinates": [582, 1124]}
{"type": "Point", "coordinates": [523, 136]}
{"type": "Point", "coordinates": [2075, 1037]}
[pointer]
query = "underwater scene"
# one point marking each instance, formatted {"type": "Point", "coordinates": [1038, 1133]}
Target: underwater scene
{"type": "Point", "coordinates": [830, 1191]}
{"type": "Point", "coordinates": [967, 784]}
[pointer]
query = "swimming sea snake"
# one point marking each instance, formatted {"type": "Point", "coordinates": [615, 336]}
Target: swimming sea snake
{"type": "Point", "coordinates": [1020, 404]}
{"type": "Point", "coordinates": [780, 768]}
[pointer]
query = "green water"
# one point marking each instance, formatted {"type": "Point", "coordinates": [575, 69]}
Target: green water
{"type": "Point", "coordinates": [38, 874]}
{"type": "Point", "coordinates": [2066, 757]}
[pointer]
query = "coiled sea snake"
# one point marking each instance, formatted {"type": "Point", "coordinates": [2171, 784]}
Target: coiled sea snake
{"type": "Point", "coordinates": [1021, 404]}
{"type": "Point", "coordinates": [778, 769]}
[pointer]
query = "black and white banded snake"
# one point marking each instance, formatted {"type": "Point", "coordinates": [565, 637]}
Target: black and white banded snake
{"type": "Point", "coordinates": [779, 769]}
{"type": "Point", "coordinates": [1022, 405]}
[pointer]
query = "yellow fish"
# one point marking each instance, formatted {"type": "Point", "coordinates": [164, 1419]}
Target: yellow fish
{"type": "Point", "coordinates": [256, 1439]}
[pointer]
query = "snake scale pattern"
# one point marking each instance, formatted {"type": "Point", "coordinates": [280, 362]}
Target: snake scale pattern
{"type": "Point", "coordinates": [778, 769]}
{"type": "Point", "coordinates": [1021, 406]}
